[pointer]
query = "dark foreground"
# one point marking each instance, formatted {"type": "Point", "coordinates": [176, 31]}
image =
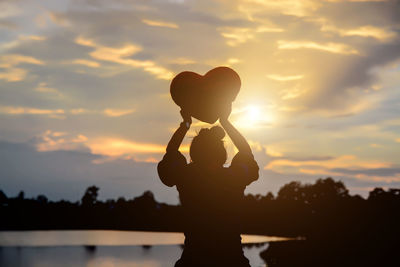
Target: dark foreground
{"type": "Point", "coordinates": [330, 254]}
{"type": "Point", "coordinates": [340, 229]}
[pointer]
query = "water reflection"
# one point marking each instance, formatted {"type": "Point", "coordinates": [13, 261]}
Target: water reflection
{"type": "Point", "coordinates": [103, 256]}
{"type": "Point", "coordinates": [104, 238]}
{"type": "Point", "coordinates": [84, 248]}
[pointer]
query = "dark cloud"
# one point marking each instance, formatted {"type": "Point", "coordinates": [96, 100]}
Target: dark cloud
{"type": "Point", "coordinates": [350, 14]}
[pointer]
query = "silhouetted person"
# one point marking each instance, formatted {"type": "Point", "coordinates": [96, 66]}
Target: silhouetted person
{"type": "Point", "coordinates": [210, 194]}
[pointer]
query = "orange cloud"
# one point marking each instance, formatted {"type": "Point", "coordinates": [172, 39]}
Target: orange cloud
{"type": "Point", "coordinates": [85, 42]}
{"type": "Point", "coordinates": [116, 54]}
{"type": "Point", "coordinates": [32, 37]}
{"type": "Point", "coordinates": [157, 23]}
{"type": "Point", "coordinates": [11, 110]}
{"type": "Point", "coordinates": [87, 63]}
{"type": "Point", "coordinates": [345, 161]}
{"type": "Point", "coordinates": [119, 56]}
{"type": "Point", "coordinates": [110, 148]}
{"type": "Point", "coordinates": [12, 73]}
{"type": "Point", "coordinates": [117, 112]}
{"type": "Point", "coordinates": [119, 147]}
{"type": "Point", "coordinates": [332, 167]}
{"type": "Point", "coordinates": [52, 141]}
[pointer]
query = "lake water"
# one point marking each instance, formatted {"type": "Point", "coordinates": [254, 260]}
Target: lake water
{"type": "Point", "coordinates": [104, 248]}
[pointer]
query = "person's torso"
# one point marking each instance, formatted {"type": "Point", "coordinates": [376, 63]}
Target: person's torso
{"type": "Point", "coordinates": [211, 201]}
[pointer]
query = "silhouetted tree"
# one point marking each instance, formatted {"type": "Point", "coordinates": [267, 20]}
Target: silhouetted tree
{"type": "Point", "coordinates": [146, 200]}
{"type": "Point", "coordinates": [21, 195]}
{"type": "Point", "coordinates": [3, 197]}
{"type": "Point", "coordinates": [90, 196]}
{"type": "Point", "coordinates": [42, 199]}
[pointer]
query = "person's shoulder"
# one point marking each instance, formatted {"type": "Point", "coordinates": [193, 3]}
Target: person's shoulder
{"type": "Point", "coordinates": [242, 158]}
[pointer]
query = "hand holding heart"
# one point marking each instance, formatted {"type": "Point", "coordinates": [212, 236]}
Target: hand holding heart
{"type": "Point", "coordinates": [207, 97]}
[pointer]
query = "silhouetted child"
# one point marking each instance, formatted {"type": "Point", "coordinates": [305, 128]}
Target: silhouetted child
{"type": "Point", "coordinates": [210, 194]}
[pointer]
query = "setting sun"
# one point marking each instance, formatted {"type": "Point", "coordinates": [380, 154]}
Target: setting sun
{"type": "Point", "coordinates": [252, 116]}
{"type": "Point", "coordinates": [253, 113]}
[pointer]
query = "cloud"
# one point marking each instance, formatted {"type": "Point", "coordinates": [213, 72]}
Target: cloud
{"type": "Point", "coordinates": [286, 7]}
{"type": "Point", "coordinates": [53, 141]}
{"type": "Point", "coordinates": [32, 38]}
{"type": "Point", "coordinates": [283, 78]}
{"type": "Point", "coordinates": [85, 62]}
{"type": "Point", "coordinates": [239, 35]}
{"type": "Point", "coordinates": [85, 42]}
{"type": "Point", "coordinates": [380, 34]}
{"type": "Point", "coordinates": [347, 165]}
{"type": "Point", "coordinates": [182, 61]}
{"type": "Point", "coordinates": [356, 0]}
{"type": "Point", "coordinates": [13, 74]}
{"type": "Point", "coordinates": [157, 23]}
{"type": "Point", "coordinates": [117, 112]}
{"type": "Point", "coordinates": [44, 88]}
{"type": "Point", "coordinates": [119, 55]}
{"type": "Point", "coordinates": [76, 111]}
{"type": "Point", "coordinates": [11, 60]}
{"type": "Point", "coordinates": [372, 172]}
{"type": "Point", "coordinates": [109, 148]}
{"type": "Point", "coordinates": [9, 63]}
{"type": "Point", "coordinates": [12, 110]}
{"type": "Point", "coordinates": [59, 19]}
{"type": "Point", "coordinates": [60, 113]}
{"type": "Point", "coordinates": [9, 9]}
{"type": "Point", "coordinates": [233, 60]}
{"type": "Point", "coordinates": [336, 48]}
{"type": "Point", "coordinates": [118, 147]}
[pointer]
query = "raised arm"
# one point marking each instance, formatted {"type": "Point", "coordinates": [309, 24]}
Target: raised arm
{"type": "Point", "coordinates": [170, 168]}
{"type": "Point", "coordinates": [177, 137]}
{"type": "Point", "coordinates": [238, 140]}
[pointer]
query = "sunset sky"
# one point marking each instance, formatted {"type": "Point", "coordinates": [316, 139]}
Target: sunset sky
{"type": "Point", "coordinates": [84, 90]}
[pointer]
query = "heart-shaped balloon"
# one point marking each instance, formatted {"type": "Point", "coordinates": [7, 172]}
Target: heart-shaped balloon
{"type": "Point", "coordinates": [205, 97]}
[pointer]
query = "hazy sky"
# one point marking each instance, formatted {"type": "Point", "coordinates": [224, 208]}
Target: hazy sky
{"type": "Point", "coordinates": [84, 90]}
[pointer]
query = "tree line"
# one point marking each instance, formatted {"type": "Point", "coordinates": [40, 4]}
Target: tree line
{"type": "Point", "coordinates": [315, 211]}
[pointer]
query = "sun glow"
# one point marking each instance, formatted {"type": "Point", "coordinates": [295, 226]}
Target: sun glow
{"type": "Point", "coordinates": [252, 116]}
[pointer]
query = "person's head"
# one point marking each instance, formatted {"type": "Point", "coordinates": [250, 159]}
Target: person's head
{"type": "Point", "coordinates": [208, 148]}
